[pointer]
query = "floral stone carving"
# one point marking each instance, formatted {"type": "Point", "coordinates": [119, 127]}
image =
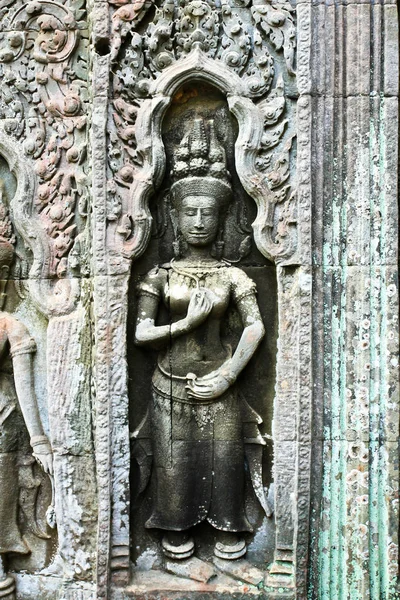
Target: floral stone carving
{"type": "Point", "coordinates": [186, 38]}
{"type": "Point", "coordinates": [43, 106]}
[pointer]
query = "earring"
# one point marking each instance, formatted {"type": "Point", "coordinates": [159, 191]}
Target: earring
{"type": "Point", "coordinates": [177, 248]}
{"type": "Point", "coordinates": [218, 246]}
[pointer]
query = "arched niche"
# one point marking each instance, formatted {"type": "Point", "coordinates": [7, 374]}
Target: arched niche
{"type": "Point", "coordinates": [292, 392]}
{"type": "Point", "coordinates": [250, 119]}
{"type": "Point", "coordinates": [197, 98]}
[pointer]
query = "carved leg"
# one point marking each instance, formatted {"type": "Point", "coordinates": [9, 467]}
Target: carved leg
{"type": "Point", "coordinates": [7, 583]}
{"type": "Point", "coordinates": [178, 545]}
{"type": "Point", "coordinates": [229, 545]}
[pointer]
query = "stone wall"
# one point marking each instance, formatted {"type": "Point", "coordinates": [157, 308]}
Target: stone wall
{"type": "Point", "coordinates": [129, 132]}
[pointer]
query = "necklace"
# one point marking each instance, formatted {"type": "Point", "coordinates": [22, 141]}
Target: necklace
{"type": "Point", "coordinates": [200, 271]}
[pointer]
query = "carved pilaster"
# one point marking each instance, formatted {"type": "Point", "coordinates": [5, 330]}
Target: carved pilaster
{"type": "Point", "coordinates": [353, 82]}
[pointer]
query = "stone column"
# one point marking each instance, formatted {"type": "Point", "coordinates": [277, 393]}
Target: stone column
{"type": "Point", "coordinates": [352, 83]}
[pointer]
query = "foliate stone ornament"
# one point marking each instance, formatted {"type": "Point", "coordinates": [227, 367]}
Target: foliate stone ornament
{"type": "Point", "coordinates": [197, 22]}
{"type": "Point", "coordinates": [56, 32]}
{"type": "Point", "coordinates": [158, 42]}
{"type": "Point", "coordinates": [236, 41]}
{"type": "Point", "coordinates": [183, 38]}
{"type": "Point", "coordinates": [276, 21]}
{"type": "Point", "coordinates": [43, 104]}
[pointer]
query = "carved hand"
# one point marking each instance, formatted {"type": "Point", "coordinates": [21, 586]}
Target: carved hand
{"type": "Point", "coordinates": [210, 386]}
{"type": "Point", "coordinates": [200, 306]}
{"type": "Point", "coordinates": [43, 454]}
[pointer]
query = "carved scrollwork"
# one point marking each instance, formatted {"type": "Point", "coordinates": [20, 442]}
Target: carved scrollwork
{"type": "Point", "coordinates": [197, 22]}
{"type": "Point", "coordinates": [158, 41]}
{"type": "Point", "coordinates": [236, 42]}
{"type": "Point", "coordinates": [52, 28]}
{"type": "Point", "coordinates": [180, 40]}
{"type": "Point", "coordinates": [43, 103]}
{"type": "Point", "coordinates": [276, 21]}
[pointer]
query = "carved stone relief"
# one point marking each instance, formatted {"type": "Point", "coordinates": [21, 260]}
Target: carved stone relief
{"type": "Point", "coordinates": [43, 120]}
{"type": "Point", "coordinates": [199, 175]}
{"type": "Point", "coordinates": [183, 43]}
{"type": "Point", "coordinates": [198, 377]}
{"type": "Point", "coordinates": [27, 501]}
{"type": "Point", "coordinates": [164, 56]}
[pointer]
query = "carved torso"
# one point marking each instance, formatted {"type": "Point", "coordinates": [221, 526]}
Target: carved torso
{"type": "Point", "coordinates": [204, 346]}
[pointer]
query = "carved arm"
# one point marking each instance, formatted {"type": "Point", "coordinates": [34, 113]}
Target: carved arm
{"type": "Point", "coordinates": [217, 382]}
{"type": "Point", "coordinates": [147, 333]}
{"type": "Point", "coordinates": [23, 377]}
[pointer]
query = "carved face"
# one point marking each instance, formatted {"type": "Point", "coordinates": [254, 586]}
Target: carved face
{"type": "Point", "coordinates": [198, 220]}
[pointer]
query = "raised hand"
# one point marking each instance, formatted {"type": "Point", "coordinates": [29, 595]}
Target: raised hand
{"type": "Point", "coordinates": [200, 306]}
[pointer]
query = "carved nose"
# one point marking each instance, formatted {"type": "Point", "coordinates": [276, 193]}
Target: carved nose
{"type": "Point", "coordinates": [199, 221]}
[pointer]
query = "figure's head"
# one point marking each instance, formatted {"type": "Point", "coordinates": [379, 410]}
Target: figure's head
{"type": "Point", "coordinates": [198, 220]}
{"type": "Point", "coordinates": [200, 203]}
{"type": "Point", "coordinates": [201, 189]}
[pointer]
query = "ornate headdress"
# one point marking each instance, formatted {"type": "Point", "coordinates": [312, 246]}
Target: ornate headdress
{"type": "Point", "coordinates": [199, 167]}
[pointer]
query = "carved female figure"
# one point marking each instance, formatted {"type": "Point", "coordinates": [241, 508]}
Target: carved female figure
{"type": "Point", "coordinates": [199, 424]}
{"type": "Point", "coordinates": [18, 412]}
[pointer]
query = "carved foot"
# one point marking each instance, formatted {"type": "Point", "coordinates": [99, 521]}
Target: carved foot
{"type": "Point", "coordinates": [7, 588]}
{"type": "Point", "coordinates": [177, 545]}
{"type": "Point", "coordinates": [229, 546]}
{"type": "Point", "coordinates": [281, 572]}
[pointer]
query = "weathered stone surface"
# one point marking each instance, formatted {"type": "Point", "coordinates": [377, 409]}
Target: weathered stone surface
{"type": "Point", "coordinates": [193, 568]}
{"type": "Point", "coordinates": [240, 569]}
{"type": "Point", "coordinates": [160, 161]}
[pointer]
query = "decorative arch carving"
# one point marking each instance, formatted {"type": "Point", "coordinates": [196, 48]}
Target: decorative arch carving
{"type": "Point", "coordinates": [273, 244]}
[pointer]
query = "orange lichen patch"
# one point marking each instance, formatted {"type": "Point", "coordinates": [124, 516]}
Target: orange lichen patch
{"type": "Point", "coordinates": [184, 95]}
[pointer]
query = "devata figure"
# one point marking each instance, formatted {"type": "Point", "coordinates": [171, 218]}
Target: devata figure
{"type": "Point", "coordinates": [18, 412]}
{"type": "Point", "coordinates": [198, 424]}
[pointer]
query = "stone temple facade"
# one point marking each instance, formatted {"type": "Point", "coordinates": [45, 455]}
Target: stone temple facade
{"type": "Point", "coordinates": [199, 315]}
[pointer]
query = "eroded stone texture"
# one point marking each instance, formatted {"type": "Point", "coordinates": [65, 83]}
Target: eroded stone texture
{"type": "Point", "coordinates": [217, 179]}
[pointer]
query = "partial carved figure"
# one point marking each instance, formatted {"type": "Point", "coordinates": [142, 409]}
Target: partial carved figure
{"type": "Point", "coordinates": [198, 425]}
{"type": "Point", "coordinates": [18, 412]}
